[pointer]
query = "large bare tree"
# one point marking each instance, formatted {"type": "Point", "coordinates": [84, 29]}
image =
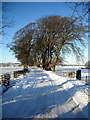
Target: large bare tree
{"type": "Point", "coordinates": [60, 34]}
{"type": "Point", "coordinates": [48, 39]}
{"type": "Point", "coordinates": [22, 44]}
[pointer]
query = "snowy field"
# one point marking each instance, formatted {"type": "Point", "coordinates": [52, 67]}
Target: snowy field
{"type": "Point", "coordinates": [9, 69]}
{"type": "Point", "coordinates": [44, 94]}
{"type": "Point", "coordinates": [84, 72]}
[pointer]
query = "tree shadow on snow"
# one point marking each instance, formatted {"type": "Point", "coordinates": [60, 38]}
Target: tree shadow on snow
{"type": "Point", "coordinates": [29, 100]}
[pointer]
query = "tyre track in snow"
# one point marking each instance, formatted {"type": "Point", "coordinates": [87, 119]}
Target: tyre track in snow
{"type": "Point", "coordinates": [43, 111]}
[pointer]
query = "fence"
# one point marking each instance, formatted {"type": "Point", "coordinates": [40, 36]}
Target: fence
{"type": "Point", "coordinates": [5, 77]}
{"type": "Point", "coordinates": [78, 74]}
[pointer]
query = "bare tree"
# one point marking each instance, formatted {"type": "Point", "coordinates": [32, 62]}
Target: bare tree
{"type": "Point", "coordinates": [22, 44]}
{"type": "Point", "coordinates": [48, 39]}
{"type": "Point", "coordinates": [81, 10]}
{"type": "Point", "coordinates": [5, 21]}
{"type": "Point", "coordinates": [60, 34]}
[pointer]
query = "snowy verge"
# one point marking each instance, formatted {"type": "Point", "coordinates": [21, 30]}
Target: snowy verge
{"type": "Point", "coordinates": [12, 83]}
{"type": "Point", "coordinates": [81, 98]}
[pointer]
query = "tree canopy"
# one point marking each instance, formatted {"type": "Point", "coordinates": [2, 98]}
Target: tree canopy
{"type": "Point", "coordinates": [45, 41]}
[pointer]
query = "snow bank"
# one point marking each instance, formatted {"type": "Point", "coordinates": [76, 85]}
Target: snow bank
{"type": "Point", "coordinates": [75, 88]}
{"type": "Point", "coordinates": [13, 80]}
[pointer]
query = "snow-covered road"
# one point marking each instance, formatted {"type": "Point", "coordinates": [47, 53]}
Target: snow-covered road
{"type": "Point", "coordinates": [39, 95]}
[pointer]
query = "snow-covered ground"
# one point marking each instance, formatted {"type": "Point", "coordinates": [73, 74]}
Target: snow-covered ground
{"type": "Point", "coordinates": [43, 94]}
{"type": "Point", "coordinates": [84, 72]}
{"type": "Point", "coordinates": [9, 69]}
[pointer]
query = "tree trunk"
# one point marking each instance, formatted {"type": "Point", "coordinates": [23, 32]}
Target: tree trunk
{"type": "Point", "coordinates": [43, 62]}
{"type": "Point", "coordinates": [53, 68]}
{"type": "Point", "coordinates": [35, 63]}
{"type": "Point", "coordinates": [55, 62]}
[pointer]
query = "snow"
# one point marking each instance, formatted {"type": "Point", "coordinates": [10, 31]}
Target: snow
{"type": "Point", "coordinates": [74, 87]}
{"type": "Point", "coordinates": [44, 94]}
{"type": "Point", "coordinates": [9, 69]}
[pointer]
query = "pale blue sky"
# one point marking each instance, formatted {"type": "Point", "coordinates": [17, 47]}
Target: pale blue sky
{"type": "Point", "coordinates": [26, 12]}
